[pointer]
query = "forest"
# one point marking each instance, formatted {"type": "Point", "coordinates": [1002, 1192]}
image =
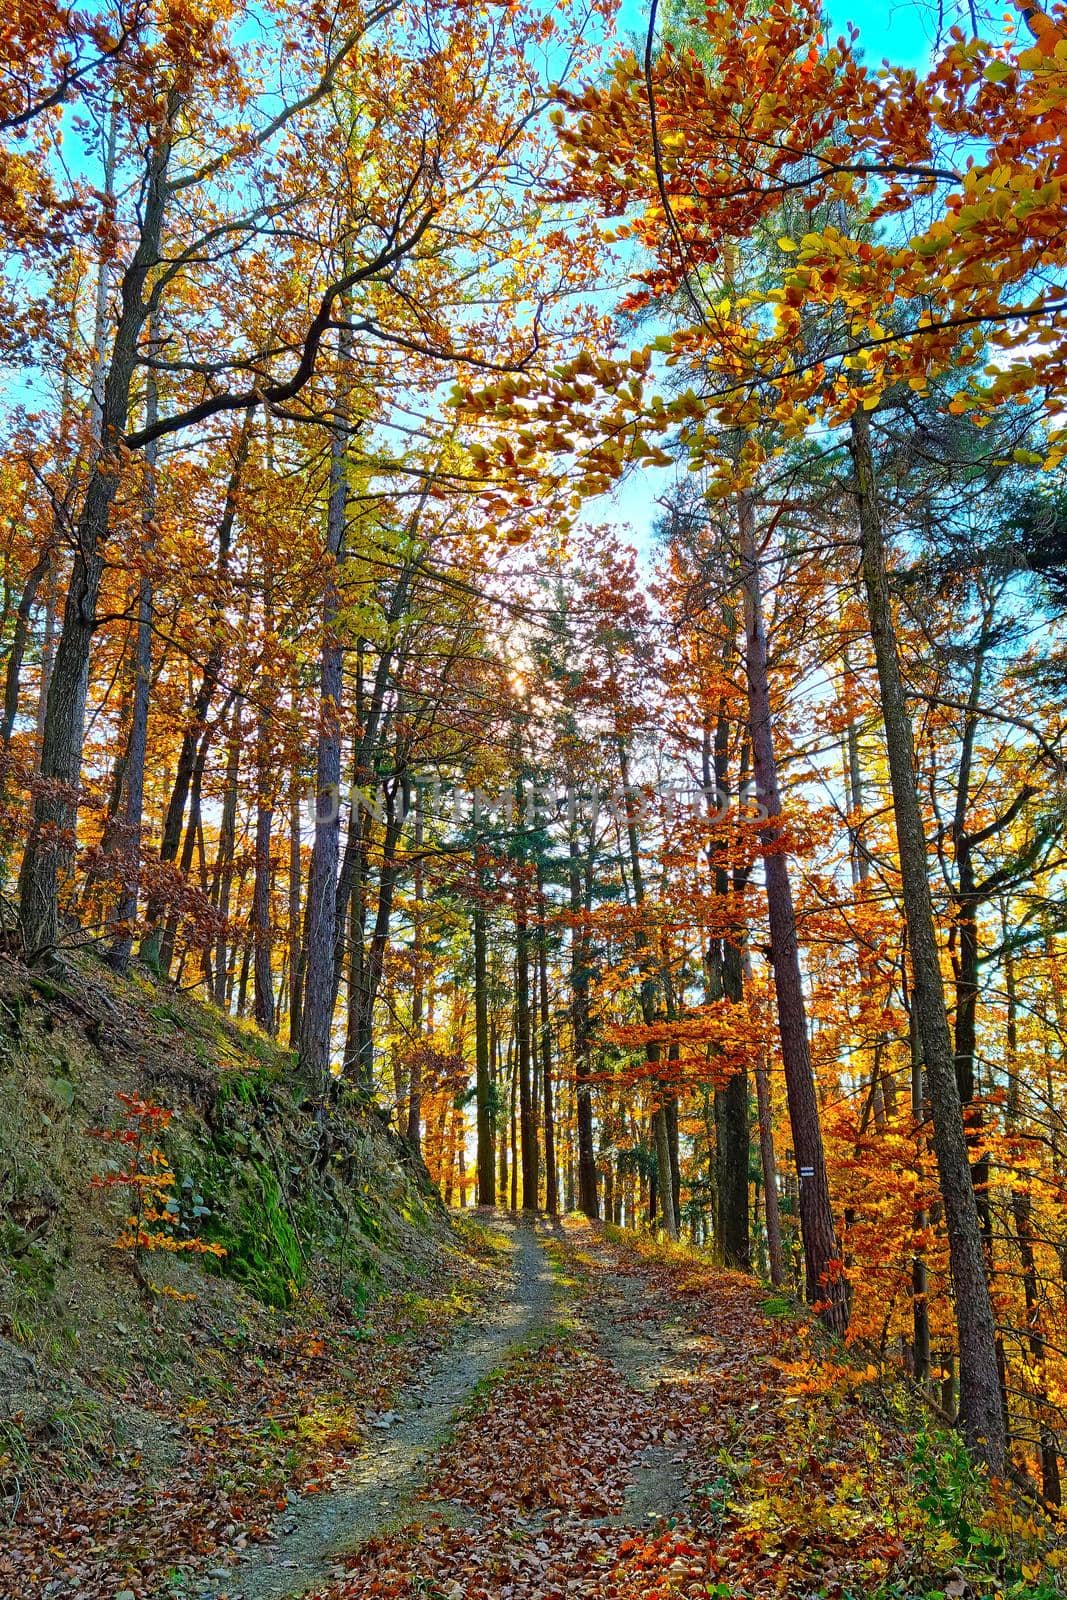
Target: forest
{"type": "Point", "coordinates": [534, 560]}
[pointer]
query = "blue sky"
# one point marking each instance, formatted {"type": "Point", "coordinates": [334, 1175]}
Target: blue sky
{"type": "Point", "coordinates": [903, 30]}
{"type": "Point", "coordinates": [900, 29]}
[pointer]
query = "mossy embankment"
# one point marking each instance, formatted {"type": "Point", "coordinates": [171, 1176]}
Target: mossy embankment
{"type": "Point", "coordinates": [144, 1367]}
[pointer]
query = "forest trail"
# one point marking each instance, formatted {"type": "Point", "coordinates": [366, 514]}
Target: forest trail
{"type": "Point", "coordinates": [634, 1423]}
{"type": "Point", "coordinates": [561, 1334]}
{"type": "Point", "coordinates": [378, 1492]}
{"type": "Point", "coordinates": [468, 708]}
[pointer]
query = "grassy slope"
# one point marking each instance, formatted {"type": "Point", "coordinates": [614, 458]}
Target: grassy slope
{"type": "Point", "coordinates": [195, 1392]}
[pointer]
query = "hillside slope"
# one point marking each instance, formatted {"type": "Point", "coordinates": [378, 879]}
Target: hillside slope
{"type": "Point", "coordinates": [286, 1289]}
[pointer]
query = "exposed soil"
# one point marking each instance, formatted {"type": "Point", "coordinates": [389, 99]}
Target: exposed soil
{"type": "Point", "coordinates": [396, 1485]}
{"type": "Point", "coordinates": [380, 1490]}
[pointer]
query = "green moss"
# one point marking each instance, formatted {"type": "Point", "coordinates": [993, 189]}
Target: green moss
{"type": "Point", "coordinates": [31, 1307]}
{"type": "Point", "coordinates": [167, 1011]}
{"type": "Point", "coordinates": [48, 990]}
{"type": "Point", "coordinates": [489, 1243]}
{"type": "Point", "coordinates": [257, 1233]}
{"type": "Point", "coordinates": [777, 1305]}
{"type": "Point", "coordinates": [367, 1219]}
{"type": "Point", "coordinates": [244, 1086]}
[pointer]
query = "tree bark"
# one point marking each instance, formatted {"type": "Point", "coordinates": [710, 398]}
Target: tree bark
{"type": "Point", "coordinates": [527, 1125]}
{"type": "Point", "coordinates": [647, 991]}
{"type": "Point", "coordinates": [513, 1105]}
{"type": "Point", "coordinates": [51, 844]}
{"type": "Point", "coordinates": [548, 1109]}
{"type": "Point", "coordinates": [185, 769]}
{"type": "Point", "coordinates": [1022, 1217]}
{"type": "Point", "coordinates": [483, 1086]}
{"type": "Point", "coordinates": [359, 1047]}
{"type": "Point", "coordinates": [263, 1001]}
{"type": "Point", "coordinates": [417, 980]}
{"type": "Point", "coordinates": [732, 1133]}
{"type": "Point", "coordinates": [725, 972]}
{"type": "Point", "coordinates": [920, 1304]}
{"type": "Point", "coordinates": [19, 638]}
{"type": "Point", "coordinates": [981, 1416]}
{"type": "Point", "coordinates": [296, 976]}
{"type": "Point", "coordinates": [825, 1280]}
{"type": "Point", "coordinates": [223, 876]}
{"type": "Point", "coordinates": [316, 1021]}
{"type": "Point", "coordinates": [580, 1031]}
{"type": "Point", "coordinates": [664, 1197]}
{"type": "Point", "coordinates": [133, 814]}
{"type": "Point", "coordinates": [772, 1218]}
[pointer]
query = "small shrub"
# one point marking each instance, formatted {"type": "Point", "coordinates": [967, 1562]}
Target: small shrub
{"type": "Point", "coordinates": [997, 1550]}
{"type": "Point", "coordinates": [156, 1222]}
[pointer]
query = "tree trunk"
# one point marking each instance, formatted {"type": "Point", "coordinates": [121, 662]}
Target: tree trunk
{"type": "Point", "coordinates": [513, 1103]}
{"type": "Point", "coordinates": [242, 982]}
{"type": "Point", "coordinates": [166, 943]}
{"type": "Point", "coordinates": [825, 1281]}
{"type": "Point", "coordinates": [51, 844]}
{"type": "Point", "coordinates": [483, 1087]}
{"type": "Point", "coordinates": [920, 1306]}
{"type": "Point", "coordinates": [1022, 1217]}
{"type": "Point", "coordinates": [316, 1020]}
{"type": "Point", "coordinates": [48, 652]}
{"type": "Point", "coordinates": [670, 1111]}
{"type": "Point", "coordinates": [373, 719]}
{"type": "Point", "coordinates": [527, 1125]}
{"type": "Point", "coordinates": [415, 1089]}
{"type": "Point", "coordinates": [648, 988]}
{"type": "Point", "coordinates": [580, 1032]}
{"type": "Point", "coordinates": [772, 1219]}
{"type": "Point", "coordinates": [725, 971]}
{"type": "Point", "coordinates": [19, 638]}
{"type": "Point", "coordinates": [981, 1414]}
{"type": "Point", "coordinates": [771, 1214]}
{"type": "Point", "coordinates": [223, 877]}
{"type": "Point", "coordinates": [504, 1085]}
{"type": "Point", "coordinates": [98, 374]}
{"type": "Point", "coordinates": [133, 817]}
{"type": "Point", "coordinates": [185, 769]}
{"type": "Point", "coordinates": [261, 907]}
{"type": "Point", "coordinates": [732, 1131]}
{"type": "Point", "coordinates": [548, 1107]}
{"type": "Point", "coordinates": [359, 1047]}
{"type": "Point", "coordinates": [296, 974]}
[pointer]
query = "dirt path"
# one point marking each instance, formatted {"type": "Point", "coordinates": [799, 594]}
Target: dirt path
{"type": "Point", "coordinates": [565, 1467]}
{"type": "Point", "coordinates": [380, 1489]}
{"type": "Point", "coordinates": [624, 1426]}
{"type": "Point", "coordinates": [386, 1489]}
{"type": "Point", "coordinates": [649, 1345]}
